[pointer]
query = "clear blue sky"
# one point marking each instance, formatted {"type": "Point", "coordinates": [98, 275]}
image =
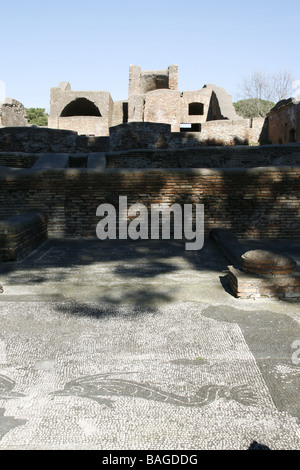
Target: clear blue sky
{"type": "Point", "coordinates": [91, 43]}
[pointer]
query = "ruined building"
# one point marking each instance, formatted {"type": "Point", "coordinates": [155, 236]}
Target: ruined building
{"type": "Point", "coordinates": [153, 96]}
{"type": "Point", "coordinates": [86, 112]}
{"type": "Point", "coordinates": [160, 146]}
{"type": "Point", "coordinates": [284, 122]}
{"type": "Point", "coordinates": [12, 113]}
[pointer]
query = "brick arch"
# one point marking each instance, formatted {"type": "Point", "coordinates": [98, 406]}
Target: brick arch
{"type": "Point", "coordinates": [80, 107]}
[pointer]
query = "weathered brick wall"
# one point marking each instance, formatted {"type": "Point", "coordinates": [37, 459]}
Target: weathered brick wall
{"type": "Point", "coordinates": [203, 96]}
{"type": "Point", "coordinates": [120, 113]}
{"type": "Point", "coordinates": [139, 135]}
{"type": "Point", "coordinates": [163, 106]}
{"type": "Point", "coordinates": [197, 157]}
{"type": "Point", "coordinates": [37, 139]}
{"type": "Point", "coordinates": [253, 203]}
{"type": "Point", "coordinates": [18, 160]}
{"type": "Point", "coordinates": [21, 234]}
{"type": "Point", "coordinates": [12, 113]}
{"type": "Point", "coordinates": [206, 157]}
{"type": "Point", "coordinates": [226, 132]}
{"type": "Point", "coordinates": [85, 125]}
{"type": "Point", "coordinates": [284, 123]}
{"type": "Point", "coordinates": [258, 131]}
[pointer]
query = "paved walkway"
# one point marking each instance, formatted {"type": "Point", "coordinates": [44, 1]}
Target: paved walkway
{"type": "Point", "coordinates": [134, 345]}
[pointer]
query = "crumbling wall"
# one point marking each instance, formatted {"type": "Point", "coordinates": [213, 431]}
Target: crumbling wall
{"type": "Point", "coordinates": [152, 135]}
{"type": "Point", "coordinates": [84, 125]}
{"type": "Point", "coordinates": [190, 98]}
{"type": "Point", "coordinates": [96, 122]}
{"type": "Point", "coordinates": [12, 114]}
{"type": "Point", "coordinates": [163, 106]}
{"type": "Point", "coordinates": [206, 157]}
{"type": "Point", "coordinates": [154, 97]}
{"type": "Point", "coordinates": [38, 139]}
{"type": "Point", "coordinates": [142, 84]}
{"type": "Point", "coordinates": [139, 135]}
{"type": "Point", "coordinates": [223, 107]}
{"type": "Point", "coordinates": [120, 113]}
{"type": "Point", "coordinates": [284, 122]}
{"type": "Point", "coordinates": [225, 132]}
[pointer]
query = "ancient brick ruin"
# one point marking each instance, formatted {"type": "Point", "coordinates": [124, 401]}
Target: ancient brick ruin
{"type": "Point", "coordinates": [284, 122]}
{"type": "Point", "coordinates": [85, 112]}
{"type": "Point", "coordinates": [12, 113]}
{"type": "Point", "coordinates": [153, 96]}
{"type": "Point", "coordinates": [96, 150]}
{"type": "Point", "coordinates": [204, 117]}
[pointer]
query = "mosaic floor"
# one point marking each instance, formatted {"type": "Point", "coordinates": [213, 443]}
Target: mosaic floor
{"type": "Point", "coordinates": [110, 375]}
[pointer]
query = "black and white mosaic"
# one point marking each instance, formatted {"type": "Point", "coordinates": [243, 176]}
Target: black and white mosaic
{"type": "Point", "coordinates": [94, 376]}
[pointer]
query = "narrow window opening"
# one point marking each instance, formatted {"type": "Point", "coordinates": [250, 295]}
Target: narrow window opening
{"type": "Point", "coordinates": [196, 109]}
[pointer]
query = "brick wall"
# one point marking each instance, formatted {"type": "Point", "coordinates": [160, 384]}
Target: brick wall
{"type": "Point", "coordinates": [284, 123]}
{"type": "Point", "coordinates": [206, 157]}
{"type": "Point", "coordinates": [163, 106]}
{"type": "Point", "coordinates": [17, 160]}
{"type": "Point", "coordinates": [253, 203]}
{"type": "Point", "coordinates": [85, 125]}
{"type": "Point", "coordinates": [38, 139]}
{"type": "Point", "coordinates": [21, 234]}
{"type": "Point", "coordinates": [120, 114]}
{"type": "Point", "coordinates": [12, 113]}
{"type": "Point", "coordinates": [197, 157]}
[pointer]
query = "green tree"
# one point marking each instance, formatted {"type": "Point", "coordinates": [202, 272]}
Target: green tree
{"type": "Point", "coordinates": [37, 116]}
{"type": "Point", "coordinates": [253, 107]}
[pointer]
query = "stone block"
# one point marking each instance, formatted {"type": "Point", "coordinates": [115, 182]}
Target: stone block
{"type": "Point", "coordinates": [251, 286]}
{"type": "Point", "coordinates": [96, 161]}
{"type": "Point", "coordinates": [51, 161]}
{"type": "Point", "coordinates": [20, 234]}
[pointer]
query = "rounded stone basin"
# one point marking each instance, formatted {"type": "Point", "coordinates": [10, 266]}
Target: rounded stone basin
{"type": "Point", "coordinates": [267, 262]}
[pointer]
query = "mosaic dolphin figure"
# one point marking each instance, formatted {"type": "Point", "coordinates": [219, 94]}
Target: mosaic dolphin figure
{"type": "Point", "coordinates": [6, 388]}
{"type": "Point", "coordinates": [100, 387]}
{"type": "Point", "coordinates": [7, 423]}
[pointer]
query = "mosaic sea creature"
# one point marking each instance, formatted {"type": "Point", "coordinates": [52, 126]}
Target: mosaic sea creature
{"type": "Point", "coordinates": [102, 386]}
{"type": "Point", "coordinates": [7, 423]}
{"type": "Point", "coordinates": [6, 388]}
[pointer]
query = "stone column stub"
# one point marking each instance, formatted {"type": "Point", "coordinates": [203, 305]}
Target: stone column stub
{"type": "Point", "coordinates": [134, 80]}
{"type": "Point", "coordinates": [173, 77]}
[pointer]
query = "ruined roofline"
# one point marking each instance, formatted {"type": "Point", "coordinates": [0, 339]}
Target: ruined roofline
{"type": "Point", "coordinates": [281, 104]}
{"type": "Point", "coordinates": [69, 90]}
{"type": "Point", "coordinates": [162, 71]}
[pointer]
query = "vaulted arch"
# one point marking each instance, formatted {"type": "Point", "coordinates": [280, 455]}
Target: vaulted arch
{"type": "Point", "coordinates": [80, 107]}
